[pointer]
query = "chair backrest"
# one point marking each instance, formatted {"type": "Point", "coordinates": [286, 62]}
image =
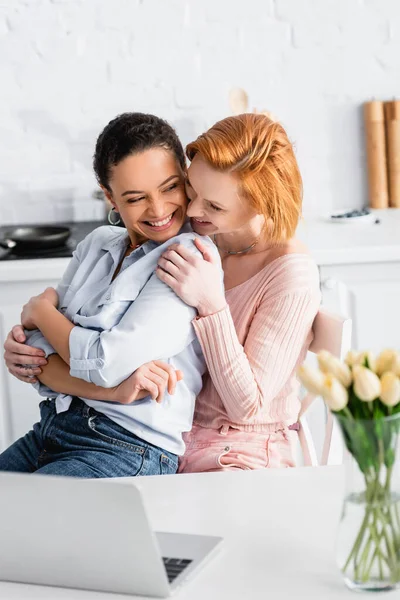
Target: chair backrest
{"type": "Point", "coordinates": [333, 333]}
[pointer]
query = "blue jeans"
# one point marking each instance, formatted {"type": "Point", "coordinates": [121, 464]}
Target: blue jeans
{"type": "Point", "coordinates": [82, 442]}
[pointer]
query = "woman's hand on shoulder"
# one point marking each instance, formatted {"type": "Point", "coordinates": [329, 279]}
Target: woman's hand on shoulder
{"type": "Point", "coordinates": [196, 280]}
{"type": "Point", "coordinates": [151, 379]}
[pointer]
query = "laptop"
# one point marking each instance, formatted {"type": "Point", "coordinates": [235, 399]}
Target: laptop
{"type": "Point", "coordinates": [93, 535]}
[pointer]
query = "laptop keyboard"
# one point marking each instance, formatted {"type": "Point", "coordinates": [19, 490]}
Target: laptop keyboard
{"type": "Point", "coordinates": [175, 566]}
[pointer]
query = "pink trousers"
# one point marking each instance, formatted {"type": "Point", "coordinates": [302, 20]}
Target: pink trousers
{"type": "Point", "coordinates": [227, 449]}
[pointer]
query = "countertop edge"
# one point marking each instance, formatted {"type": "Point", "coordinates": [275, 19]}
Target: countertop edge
{"type": "Point", "coordinates": [53, 268]}
{"type": "Point", "coordinates": [351, 256]}
{"type": "Point", "coordinates": [33, 269]}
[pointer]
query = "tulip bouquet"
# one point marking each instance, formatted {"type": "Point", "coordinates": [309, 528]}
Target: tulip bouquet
{"type": "Point", "coordinates": [364, 394]}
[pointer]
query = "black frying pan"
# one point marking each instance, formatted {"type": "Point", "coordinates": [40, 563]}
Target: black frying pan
{"type": "Point", "coordinates": [26, 239]}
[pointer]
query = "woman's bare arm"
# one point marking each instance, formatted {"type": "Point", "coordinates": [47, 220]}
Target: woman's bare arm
{"type": "Point", "coordinates": [150, 379]}
{"type": "Point", "coordinates": [55, 375]}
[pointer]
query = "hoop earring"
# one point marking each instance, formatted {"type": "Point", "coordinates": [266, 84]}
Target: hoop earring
{"type": "Point", "coordinates": [110, 219]}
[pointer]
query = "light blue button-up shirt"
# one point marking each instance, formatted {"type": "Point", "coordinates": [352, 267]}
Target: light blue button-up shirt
{"type": "Point", "coordinates": [122, 324]}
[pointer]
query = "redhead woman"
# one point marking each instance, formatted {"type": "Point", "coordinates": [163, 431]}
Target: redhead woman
{"type": "Point", "coordinates": [245, 192]}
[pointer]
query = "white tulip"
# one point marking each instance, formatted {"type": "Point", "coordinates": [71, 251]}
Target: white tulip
{"type": "Point", "coordinates": [352, 358]}
{"type": "Point", "coordinates": [330, 364]}
{"type": "Point", "coordinates": [388, 360]}
{"type": "Point", "coordinates": [312, 379]}
{"type": "Point", "coordinates": [390, 389]}
{"type": "Point", "coordinates": [367, 385]}
{"type": "Point", "coordinates": [334, 393]}
{"type": "Point", "coordinates": [366, 355]}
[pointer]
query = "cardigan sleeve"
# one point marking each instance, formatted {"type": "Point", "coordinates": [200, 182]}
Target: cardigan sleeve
{"type": "Point", "coordinates": [248, 377]}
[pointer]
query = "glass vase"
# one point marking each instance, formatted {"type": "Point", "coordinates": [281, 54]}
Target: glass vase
{"type": "Point", "coordinates": [368, 542]}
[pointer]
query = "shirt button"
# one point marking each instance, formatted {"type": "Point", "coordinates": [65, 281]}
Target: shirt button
{"type": "Point", "coordinates": [99, 362]}
{"type": "Point", "coordinates": [108, 296]}
{"type": "Point", "coordinates": [227, 448]}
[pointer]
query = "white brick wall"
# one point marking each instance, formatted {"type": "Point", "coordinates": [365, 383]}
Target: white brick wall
{"type": "Point", "coordinates": [68, 66]}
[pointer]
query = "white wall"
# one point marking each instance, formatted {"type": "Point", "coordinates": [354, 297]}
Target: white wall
{"type": "Point", "coordinates": [68, 66]}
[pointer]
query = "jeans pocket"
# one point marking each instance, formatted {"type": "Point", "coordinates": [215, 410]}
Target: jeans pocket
{"type": "Point", "coordinates": [112, 433]}
{"type": "Point", "coordinates": [245, 457]}
{"type": "Point", "coordinates": [167, 465]}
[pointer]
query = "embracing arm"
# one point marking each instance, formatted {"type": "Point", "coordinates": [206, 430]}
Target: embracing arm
{"type": "Point", "coordinates": [53, 326]}
{"type": "Point", "coordinates": [248, 377]}
{"type": "Point", "coordinates": [44, 309]}
{"type": "Point", "coordinates": [158, 325]}
{"type": "Point", "coordinates": [56, 376]}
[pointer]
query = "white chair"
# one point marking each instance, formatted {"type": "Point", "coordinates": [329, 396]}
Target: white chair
{"type": "Point", "coordinates": [333, 333]}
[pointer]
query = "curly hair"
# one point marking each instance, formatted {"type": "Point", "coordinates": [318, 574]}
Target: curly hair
{"type": "Point", "coordinates": [128, 134]}
{"type": "Point", "coordinates": [257, 150]}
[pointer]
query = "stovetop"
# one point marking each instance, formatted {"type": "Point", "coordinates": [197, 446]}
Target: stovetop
{"type": "Point", "coordinates": [78, 232]}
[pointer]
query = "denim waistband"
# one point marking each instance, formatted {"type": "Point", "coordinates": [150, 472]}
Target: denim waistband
{"type": "Point", "coordinates": [79, 407]}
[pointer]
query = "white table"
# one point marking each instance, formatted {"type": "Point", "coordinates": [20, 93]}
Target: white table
{"type": "Point", "coordinates": [279, 528]}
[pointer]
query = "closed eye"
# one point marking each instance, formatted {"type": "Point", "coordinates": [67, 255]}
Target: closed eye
{"type": "Point", "coordinates": [216, 208]}
{"type": "Point", "coordinates": [171, 187]}
{"type": "Point", "coordinates": [134, 200]}
{"type": "Point", "coordinates": [189, 187]}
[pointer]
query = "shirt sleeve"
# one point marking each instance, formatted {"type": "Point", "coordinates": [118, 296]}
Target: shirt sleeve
{"type": "Point", "coordinates": [35, 338]}
{"type": "Point", "coordinates": [157, 325]}
{"type": "Point", "coordinates": [247, 378]}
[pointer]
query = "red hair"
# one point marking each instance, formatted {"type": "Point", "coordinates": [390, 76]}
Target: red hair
{"type": "Point", "coordinates": [257, 150]}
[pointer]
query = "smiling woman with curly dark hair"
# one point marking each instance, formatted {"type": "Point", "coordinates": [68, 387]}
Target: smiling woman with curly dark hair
{"type": "Point", "coordinates": [111, 317]}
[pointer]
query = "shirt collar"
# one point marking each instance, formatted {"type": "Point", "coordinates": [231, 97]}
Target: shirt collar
{"type": "Point", "coordinates": [118, 241]}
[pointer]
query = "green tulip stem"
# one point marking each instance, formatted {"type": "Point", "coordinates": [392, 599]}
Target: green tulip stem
{"type": "Point", "coordinates": [397, 517]}
{"type": "Point", "coordinates": [363, 561]}
{"type": "Point", "coordinates": [346, 411]}
{"type": "Point", "coordinates": [358, 541]}
{"type": "Point", "coordinates": [388, 478]}
{"type": "Point", "coordinates": [388, 540]}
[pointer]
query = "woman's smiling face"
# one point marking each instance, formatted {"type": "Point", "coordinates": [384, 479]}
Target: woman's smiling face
{"type": "Point", "coordinates": [147, 189]}
{"type": "Point", "coordinates": [215, 202]}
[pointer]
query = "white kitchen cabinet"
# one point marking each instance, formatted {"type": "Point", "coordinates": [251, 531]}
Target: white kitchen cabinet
{"type": "Point", "coordinates": [19, 401]}
{"type": "Point", "coordinates": [370, 295]}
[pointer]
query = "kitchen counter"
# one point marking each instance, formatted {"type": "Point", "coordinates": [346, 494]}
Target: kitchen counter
{"type": "Point", "coordinates": [50, 263]}
{"type": "Point", "coordinates": [351, 243]}
{"type": "Point", "coordinates": [329, 243]}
